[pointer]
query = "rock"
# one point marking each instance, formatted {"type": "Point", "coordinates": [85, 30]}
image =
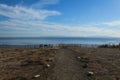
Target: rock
{"type": "Point", "coordinates": [36, 76]}
{"type": "Point", "coordinates": [90, 73]}
{"type": "Point", "coordinates": [47, 65]}
{"type": "Point", "coordinates": [78, 57]}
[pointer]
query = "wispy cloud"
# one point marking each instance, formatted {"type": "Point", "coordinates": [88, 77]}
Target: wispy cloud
{"type": "Point", "coordinates": [44, 3]}
{"type": "Point", "coordinates": [24, 13]}
{"type": "Point", "coordinates": [52, 29]}
{"type": "Point", "coordinates": [113, 23]}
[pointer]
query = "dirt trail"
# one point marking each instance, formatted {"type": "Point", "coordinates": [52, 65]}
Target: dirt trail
{"type": "Point", "coordinates": [66, 66]}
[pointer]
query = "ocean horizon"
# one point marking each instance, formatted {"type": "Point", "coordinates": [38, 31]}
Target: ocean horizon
{"type": "Point", "coordinates": [57, 40]}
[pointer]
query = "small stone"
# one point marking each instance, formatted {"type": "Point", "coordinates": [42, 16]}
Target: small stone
{"type": "Point", "coordinates": [36, 76]}
{"type": "Point", "coordinates": [79, 57]}
{"type": "Point", "coordinates": [90, 73]}
{"type": "Point", "coordinates": [47, 65]}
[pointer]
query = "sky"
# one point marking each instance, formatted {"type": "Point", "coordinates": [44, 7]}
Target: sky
{"type": "Point", "coordinates": [59, 18]}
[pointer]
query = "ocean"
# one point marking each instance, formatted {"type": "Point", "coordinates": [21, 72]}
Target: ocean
{"type": "Point", "coordinates": [57, 40]}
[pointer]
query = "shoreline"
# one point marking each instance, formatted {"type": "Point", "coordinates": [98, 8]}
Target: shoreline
{"type": "Point", "coordinates": [47, 46]}
{"type": "Point", "coordinates": [62, 45]}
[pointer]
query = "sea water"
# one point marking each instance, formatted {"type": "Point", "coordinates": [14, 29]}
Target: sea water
{"type": "Point", "coordinates": [57, 40]}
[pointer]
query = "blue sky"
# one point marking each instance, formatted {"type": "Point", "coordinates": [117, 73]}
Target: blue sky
{"type": "Point", "coordinates": [71, 18]}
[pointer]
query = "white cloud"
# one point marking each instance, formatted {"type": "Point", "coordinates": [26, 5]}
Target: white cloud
{"type": "Point", "coordinates": [51, 29]}
{"type": "Point", "coordinates": [112, 23]}
{"type": "Point", "coordinates": [24, 13]}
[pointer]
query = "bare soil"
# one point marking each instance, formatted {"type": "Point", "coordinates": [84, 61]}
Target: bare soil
{"type": "Point", "coordinates": [66, 67]}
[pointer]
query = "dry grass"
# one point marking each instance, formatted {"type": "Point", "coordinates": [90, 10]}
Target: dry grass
{"type": "Point", "coordinates": [104, 62]}
{"type": "Point", "coordinates": [24, 64]}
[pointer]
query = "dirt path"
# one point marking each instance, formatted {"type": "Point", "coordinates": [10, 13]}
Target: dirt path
{"type": "Point", "coordinates": [66, 67]}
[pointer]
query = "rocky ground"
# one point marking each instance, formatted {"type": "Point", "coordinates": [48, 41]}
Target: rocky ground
{"type": "Point", "coordinates": [65, 63]}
